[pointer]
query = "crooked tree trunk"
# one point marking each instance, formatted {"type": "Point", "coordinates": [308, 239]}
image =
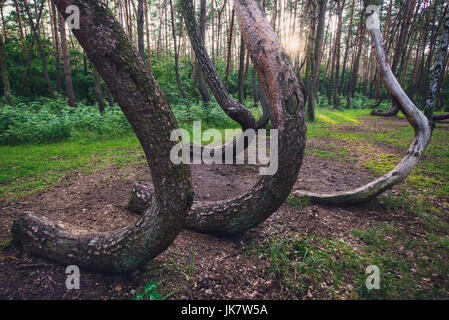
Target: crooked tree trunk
{"type": "Point", "coordinates": [149, 114]}
{"type": "Point", "coordinates": [232, 108]}
{"type": "Point", "coordinates": [254, 87]}
{"type": "Point", "coordinates": [396, 69]}
{"type": "Point", "coordinates": [263, 121]}
{"type": "Point", "coordinates": [287, 115]}
{"type": "Point", "coordinates": [391, 112]}
{"type": "Point", "coordinates": [240, 81]}
{"type": "Point", "coordinates": [422, 138]}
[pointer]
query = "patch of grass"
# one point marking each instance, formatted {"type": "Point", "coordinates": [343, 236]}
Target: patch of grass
{"type": "Point", "coordinates": [301, 202]}
{"type": "Point", "coordinates": [381, 163]}
{"type": "Point", "coordinates": [338, 153]}
{"type": "Point", "coordinates": [185, 269]}
{"type": "Point", "coordinates": [30, 168]}
{"type": "Point", "coordinates": [4, 244]}
{"type": "Point", "coordinates": [306, 264]}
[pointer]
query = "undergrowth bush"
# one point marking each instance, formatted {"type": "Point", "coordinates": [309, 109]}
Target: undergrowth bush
{"type": "Point", "coordinates": [46, 120]}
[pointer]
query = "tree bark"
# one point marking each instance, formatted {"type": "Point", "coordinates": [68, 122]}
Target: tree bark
{"type": "Point", "coordinates": [149, 114]}
{"type": "Point", "coordinates": [3, 70]}
{"type": "Point", "coordinates": [422, 138]}
{"type": "Point", "coordinates": [229, 55]}
{"type": "Point", "coordinates": [140, 26]}
{"type": "Point", "coordinates": [287, 115]}
{"type": "Point", "coordinates": [147, 24]}
{"type": "Point", "coordinates": [57, 53]}
{"type": "Point", "coordinates": [173, 25]}
{"type": "Point", "coordinates": [310, 66]}
{"type": "Point", "coordinates": [232, 108]}
{"type": "Point", "coordinates": [98, 91]}
{"type": "Point", "coordinates": [67, 69]}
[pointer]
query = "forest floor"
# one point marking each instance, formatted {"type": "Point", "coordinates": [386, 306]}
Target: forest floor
{"type": "Point", "coordinates": [302, 251]}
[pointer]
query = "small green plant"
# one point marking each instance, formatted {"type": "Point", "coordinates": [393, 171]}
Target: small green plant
{"type": "Point", "coordinates": [149, 292]}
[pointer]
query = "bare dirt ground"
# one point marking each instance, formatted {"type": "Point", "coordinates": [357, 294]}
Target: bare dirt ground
{"type": "Point", "coordinates": [218, 268]}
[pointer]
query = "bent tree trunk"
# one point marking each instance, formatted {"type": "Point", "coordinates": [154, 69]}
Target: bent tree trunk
{"type": "Point", "coordinates": [422, 138]}
{"type": "Point", "coordinates": [232, 108]}
{"type": "Point", "coordinates": [391, 112]}
{"type": "Point", "coordinates": [149, 114]}
{"type": "Point", "coordinates": [235, 110]}
{"type": "Point", "coordinates": [287, 116]}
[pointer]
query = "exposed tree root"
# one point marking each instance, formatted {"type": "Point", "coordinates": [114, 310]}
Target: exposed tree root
{"type": "Point", "coordinates": [422, 138]}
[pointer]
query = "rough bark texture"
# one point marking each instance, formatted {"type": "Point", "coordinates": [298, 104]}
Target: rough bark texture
{"type": "Point", "coordinates": [232, 108]}
{"type": "Point", "coordinates": [148, 112]}
{"type": "Point", "coordinates": [263, 121]}
{"type": "Point", "coordinates": [437, 67]}
{"type": "Point", "coordinates": [407, 11]}
{"type": "Point", "coordinates": [422, 137]}
{"type": "Point", "coordinates": [287, 115]}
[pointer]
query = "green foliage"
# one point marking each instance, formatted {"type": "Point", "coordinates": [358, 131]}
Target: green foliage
{"type": "Point", "coordinates": [48, 120]}
{"type": "Point", "coordinates": [149, 292]}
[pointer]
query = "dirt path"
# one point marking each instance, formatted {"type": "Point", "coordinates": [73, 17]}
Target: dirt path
{"type": "Point", "coordinates": [195, 266]}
